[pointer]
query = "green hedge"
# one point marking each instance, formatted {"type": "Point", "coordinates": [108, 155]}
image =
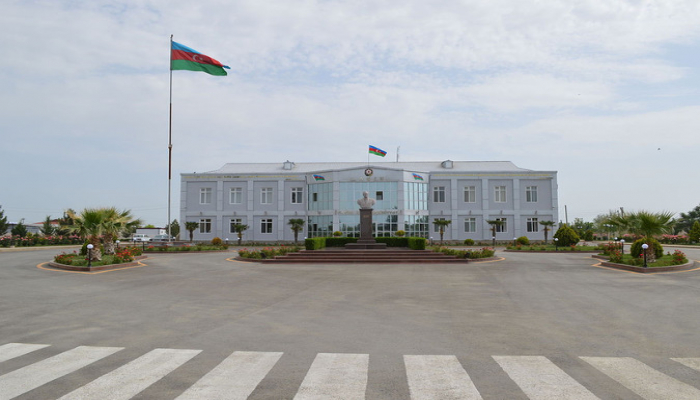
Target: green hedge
{"type": "Point", "coordinates": [316, 243]}
{"type": "Point", "coordinates": [416, 243]}
{"type": "Point", "coordinates": [339, 241]}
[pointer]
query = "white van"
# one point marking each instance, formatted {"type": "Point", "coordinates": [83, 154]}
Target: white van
{"type": "Point", "coordinates": [140, 237]}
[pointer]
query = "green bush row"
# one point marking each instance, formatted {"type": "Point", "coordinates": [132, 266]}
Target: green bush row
{"type": "Point", "coordinates": [317, 243]}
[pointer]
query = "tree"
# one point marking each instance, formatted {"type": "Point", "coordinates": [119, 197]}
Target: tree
{"type": "Point", "coordinates": [240, 228]}
{"type": "Point", "coordinates": [495, 223]}
{"type": "Point", "coordinates": [4, 225]}
{"type": "Point", "coordinates": [566, 236]}
{"type": "Point", "coordinates": [686, 220]}
{"type": "Point", "coordinates": [547, 227]}
{"type": "Point", "coordinates": [96, 224]}
{"type": "Point", "coordinates": [191, 226]}
{"type": "Point", "coordinates": [174, 228]}
{"type": "Point", "coordinates": [297, 225]}
{"type": "Point", "coordinates": [47, 228]}
{"type": "Point", "coordinates": [441, 224]}
{"type": "Point", "coordinates": [694, 234]}
{"type": "Point", "coordinates": [19, 229]}
{"type": "Point", "coordinates": [645, 223]}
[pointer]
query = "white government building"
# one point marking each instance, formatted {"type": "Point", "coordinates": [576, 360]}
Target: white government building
{"type": "Point", "coordinates": [409, 196]}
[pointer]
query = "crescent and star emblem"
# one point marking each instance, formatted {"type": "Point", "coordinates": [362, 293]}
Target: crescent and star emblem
{"type": "Point", "coordinates": [368, 172]}
{"type": "Point", "coordinates": [197, 58]}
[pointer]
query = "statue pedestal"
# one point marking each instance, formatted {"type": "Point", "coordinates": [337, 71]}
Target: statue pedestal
{"type": "Point", "coordinates": [366, 240]}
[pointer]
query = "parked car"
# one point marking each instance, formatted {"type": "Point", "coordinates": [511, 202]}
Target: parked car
{"type": "Point", "coordinates": [163, 238]}
{"type": "Point", "coordinates": [140, 237]}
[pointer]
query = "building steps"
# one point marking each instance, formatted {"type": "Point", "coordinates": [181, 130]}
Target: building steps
{"type": "Point", "coordinates": [388, 256]}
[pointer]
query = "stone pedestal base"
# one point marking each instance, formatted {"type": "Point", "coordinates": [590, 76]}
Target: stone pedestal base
{"type": "Point", "coordinates": [366, 240]}
{"type": "Point", "coordinates": [365, 244]}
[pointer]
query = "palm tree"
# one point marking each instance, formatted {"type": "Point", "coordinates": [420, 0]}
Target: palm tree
{"type": "Point", "coordinates": [240, 228]}
{"type": "Point", "coordinates": [494, 224]}
{"type": "Point", "coordinates": [441, 224]}
{"type": "Point", "coordinates": [297, 225]}
{"type": "Point", "coordinates": [190, 227]}
{"type": "Point", "coordinates": [644, 223]}
{"type": "Point", "coordinates": [101, 224]}
{"type": "Point", "coordinates": [547, 227]}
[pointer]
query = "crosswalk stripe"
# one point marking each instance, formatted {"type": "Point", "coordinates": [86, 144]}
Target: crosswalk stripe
{"type": "Point", "coordinates": [438, 378]}
{"type": "Point", "coordinates": [540, 379]}
{"type": "Point", "coordinates": [235, 378]}
{"type": "Point", "coordinates": [32, 376]}
{"type": "Point", "coordinates": [693, 363]}
{"type": "Point", "coordinates": [647, 382]}
{"type": "Point", "coordinates": [130, 379]}
{"type": "Point", "coordinates": [335, 376]}
{"type": "Point", "coordinates": [11, 350]}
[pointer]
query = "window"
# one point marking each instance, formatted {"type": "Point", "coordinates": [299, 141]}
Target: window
{"type": "Point", "coordinates": [503, 227]}
{"type": "Point", "coordinates": [205, 225]}
{"type": "Point", "coordinates": [439, 194]}
{"type": "Point", "coordinates": [297, 195]}
{"type": "Point", "coordinates": [266, 225]}
{"type": "Point", "coordinates": [499, 195]}
{"type": "Point", "coordinates": [266, 196]}
{"type": "Point", "coordinates": [379, 195]}
{"type": "Point", "coordinates": [533, 225]}
{"type": "Point", "coordinates": [470, 224]}
{"type": "Point", "coordinates": [235, 196]}
{"type": "Point", "coordinates": [232, 225]}
{"type": "Point", "coordinates": [531, 195]}
{"type": "Point", "coordinates": [314, 196]}
{"type": "Point", "coordinates": [470, 194]}
{"type": "Point", "coordinates": [205, 196]}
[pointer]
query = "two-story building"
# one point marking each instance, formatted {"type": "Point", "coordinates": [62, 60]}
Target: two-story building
{"type": "Point", "coordinates": [409, 196]}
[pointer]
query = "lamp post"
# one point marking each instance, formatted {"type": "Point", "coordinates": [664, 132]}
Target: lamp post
{"type": "Point", "coordinates": [117, 245]}
{"type": "Point", "coordinates": [622, 247]}
{"type": "Point", "coordinates": [515, 241]}
{"type": "Point", "coordinates": [556, 244]}
{"type": "Point", "coordinates": [645, 247]}
{"type": "Point", "coordinates": [89, 248]}
{"type": "Point", "coordinates": [493, 242]}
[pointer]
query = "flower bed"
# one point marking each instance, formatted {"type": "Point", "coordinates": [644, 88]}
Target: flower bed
{"type": "Point", "coordinates": [122, 256]}
{"type": "Point", "coordinates": [267, 252]}
{"type": "Point", "coordinates": [195, 248]}
{"type": "Point", "coordinates": [36, 240]}
{"type": "Point", "coordinates": [484, 252]}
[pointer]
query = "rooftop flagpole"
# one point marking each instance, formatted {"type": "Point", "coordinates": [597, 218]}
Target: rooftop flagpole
{"type": "Point", "coordinates": [170, 135]}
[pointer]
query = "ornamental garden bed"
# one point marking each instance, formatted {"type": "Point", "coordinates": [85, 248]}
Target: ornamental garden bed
{"type": "Point", "coordinates": [667, 263]}
{"type": "Point", "coordinates": [124, 257]}
{"type": "Point", "coordinates": [553, 249]}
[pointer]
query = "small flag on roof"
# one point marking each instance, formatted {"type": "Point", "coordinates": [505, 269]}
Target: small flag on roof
{"type": "Point", "coordinates": [319, 177]}
{"type": "Point", "coordinates": [417, 177]}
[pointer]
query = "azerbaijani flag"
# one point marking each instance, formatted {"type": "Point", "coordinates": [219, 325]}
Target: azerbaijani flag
{"type": "Point", "coordinates": [184, 58]}
{"type": "Point", "coordinates": [376, 151]}
{"type": "Point", "coordinates": [319, 177]}
{"type": "Point", "coordinates": [417, 177]}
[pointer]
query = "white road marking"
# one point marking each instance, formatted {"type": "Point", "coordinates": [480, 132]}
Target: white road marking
{"type": "Point", "coordinates": [335, 376]}
{"type": "Point", "coordinates": [11, 350]}
{"type": "Point", "coordinates": [130, 379]}
{"type": "Point", "coordinates": [642, 379]}
{"type": "Point", "coordinates": [235, 378]}
{"type": "Point", "coordinates": [438, 378]}
{"type": "Point", "coordinates": [32, 376]}
{"type": "Point", "coordinates": [540, 379]}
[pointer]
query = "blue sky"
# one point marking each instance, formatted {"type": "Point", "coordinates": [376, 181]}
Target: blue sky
{"type": "Point", "coordinates": [605, 92]}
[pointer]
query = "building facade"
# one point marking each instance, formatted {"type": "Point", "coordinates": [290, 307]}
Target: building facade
{"type": "Point", "coordinates": [409, 196]}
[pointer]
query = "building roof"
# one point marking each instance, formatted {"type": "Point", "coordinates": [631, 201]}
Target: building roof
{"type": "Point", "coordinates": [419, 166]}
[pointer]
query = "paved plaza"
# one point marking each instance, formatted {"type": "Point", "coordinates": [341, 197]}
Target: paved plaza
{"type": "Point", "coordinates": [200, 326]}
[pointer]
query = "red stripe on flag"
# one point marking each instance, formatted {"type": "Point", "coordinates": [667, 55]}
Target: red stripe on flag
{"type": "Point", "coordinates": [194, 57]}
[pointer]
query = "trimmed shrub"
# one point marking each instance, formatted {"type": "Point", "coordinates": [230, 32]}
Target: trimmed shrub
{"type": "Point", "coordinates": [469, 242]}
{"type": "Point", "coordinates": [416, 243]}
{"type": "Point", "coordinates": [216, 241]}
{"type": "Point", "coordinates": [400, 233]}
{"type": "Point", "coordinates": [523, 240]}
{"type": "Point", "coordinates": [316, 243]}
{"type": "Point", "coordinates": [567, 236]}
{"type": "Point", "coordinates": [636, 249]}
{"type": "Point", "coordinates": [337, 233]}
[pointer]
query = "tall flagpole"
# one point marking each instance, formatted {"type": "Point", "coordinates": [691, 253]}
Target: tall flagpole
{"type": "Point", "coordinates": [170, 134]}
